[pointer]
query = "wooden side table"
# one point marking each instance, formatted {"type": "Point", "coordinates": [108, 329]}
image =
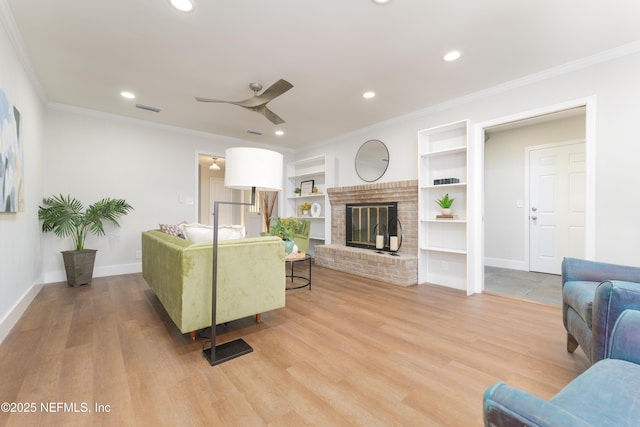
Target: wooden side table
{"type": "Point", "coordinates": [302, 281]}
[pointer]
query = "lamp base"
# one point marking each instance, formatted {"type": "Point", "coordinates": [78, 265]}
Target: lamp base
{"type": "Point", "coordinates": [227, 351]}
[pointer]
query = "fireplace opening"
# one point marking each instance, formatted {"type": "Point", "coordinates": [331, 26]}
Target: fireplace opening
{"type": "Point", "coordinates": [370, 222]}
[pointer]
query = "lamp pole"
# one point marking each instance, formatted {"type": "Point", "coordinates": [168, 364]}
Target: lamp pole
{"type": "Point", "coordinates": [230, 350]}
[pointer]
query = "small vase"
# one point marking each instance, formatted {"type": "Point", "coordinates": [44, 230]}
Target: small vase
{"type": "Point", "coordinates": [305, 213]}
{"type": "Point", "coordinates": [288, 246]}
{"type": "Point", "coordinates": [446, 211]}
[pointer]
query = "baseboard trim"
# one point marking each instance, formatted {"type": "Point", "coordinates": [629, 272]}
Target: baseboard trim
{"type": "Point", "coordinates": [12, 317]}
{"type": "Point", "coordinates": [506, 263]}
{"type": "Point", "coordinates": [104, 271]}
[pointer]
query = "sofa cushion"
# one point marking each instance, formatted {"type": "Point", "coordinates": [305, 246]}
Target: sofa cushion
{"type": "Point", "coordinates": [201, 233]}
{"type": "Point", "coordinates": [230, 232]}
{"type": "Point", "coordinates": [579, 296]}
{"type": "Point", "coordinates": [607, 394]}
{"type": "Point", "coordinates": [198, 233]}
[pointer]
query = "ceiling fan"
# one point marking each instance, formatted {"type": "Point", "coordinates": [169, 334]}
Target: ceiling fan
{"type": "Point", "coordinates": [258, 103]}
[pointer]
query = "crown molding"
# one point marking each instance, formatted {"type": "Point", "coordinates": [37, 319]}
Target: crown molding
{"type": "Point", "coordinates": [11, 28]}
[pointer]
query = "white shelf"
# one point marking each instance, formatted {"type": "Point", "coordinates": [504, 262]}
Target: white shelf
{"type": "Point", "coordinates": [321, 169]}
{"type": "Point", "coordinates": [432, 186]}
{"type": "Point", "coordinates": [309, 196]}
{"type": "Point", "coordinates": [443, 257]}
{"type": "Point", "coordinates": [446, 152]}
{"type": "Point", "coordinates": [446, 221]}
{"type": "Point", "coordinates": [447, 250]}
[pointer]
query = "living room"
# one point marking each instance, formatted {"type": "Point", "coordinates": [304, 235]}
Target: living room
{"type": "Point", "coordinates": [91, 154]}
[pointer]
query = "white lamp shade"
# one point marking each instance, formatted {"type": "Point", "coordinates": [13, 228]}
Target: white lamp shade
{"type": "Point", "coordinates": [247, 167]}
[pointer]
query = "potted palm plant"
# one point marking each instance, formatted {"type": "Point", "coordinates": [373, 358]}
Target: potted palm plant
{"type": "Point", "coordinates": [67, 217]}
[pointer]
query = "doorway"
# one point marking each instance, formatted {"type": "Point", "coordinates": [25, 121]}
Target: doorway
{"type": "Point", "coordinates": [556, 205]}
{"type": "Point", "coordinates": [511, 236]}
{"type": "Point", "coordinates": [210, 186]}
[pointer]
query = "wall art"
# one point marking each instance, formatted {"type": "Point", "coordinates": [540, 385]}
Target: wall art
{"type": "Point", "coordinates": [11, 158]}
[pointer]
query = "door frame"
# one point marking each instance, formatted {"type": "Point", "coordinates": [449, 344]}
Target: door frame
{"type": "Point", "coordinates": [527, 195]}
{"type": "Point", "coordinates": [476, 181]}
{"type": "Point", "coordinates": [197, 178]}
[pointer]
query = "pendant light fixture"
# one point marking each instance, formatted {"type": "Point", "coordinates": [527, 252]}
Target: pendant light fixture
{"type": "Point", "coordinates": [214, 166]}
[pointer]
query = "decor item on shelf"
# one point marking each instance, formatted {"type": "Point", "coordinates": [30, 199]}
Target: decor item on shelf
{"type": "Point", "coordinates": [67, 217]}
{"type": "Point", "coordinates": [316, 210]}
{"type": "Point", "coordinates": [297, 191]}
{"type": "Point", "coordinates": [444, 181]}
{"type": "Point", "coordinates": [445, 203]}
{"type": "Point", "coordinates": [395, 240]}
{"type": "Point", "coordinates": [306, 187]}
{"type": "Point", "coordinates": [305, 209]}
{"type": "Point", "coordinates": [246, 168]}
{"type": "Point", "coordinates": [268, 202]}
{"type": "Point", "coordinates": [285, 228]}
{"type": "Point", "coordinates": [314, 190]}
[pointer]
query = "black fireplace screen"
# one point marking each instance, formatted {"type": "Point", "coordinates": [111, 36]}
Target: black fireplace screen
{"type": "Point", "coordinates": [365, 221]}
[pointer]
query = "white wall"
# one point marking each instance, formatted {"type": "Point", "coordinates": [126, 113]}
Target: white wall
{"type": "Point", "coordinates": [504, 161]}
{"type": "Point", "coordinates": [20, 256]}
{"type": "Point", "coordinates": [613, 78]}
{"type": "Point", "coordinates": [91, 155]}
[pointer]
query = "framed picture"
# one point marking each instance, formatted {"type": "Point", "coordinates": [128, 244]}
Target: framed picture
{"type": "Point", "coordinates": [306, 187]}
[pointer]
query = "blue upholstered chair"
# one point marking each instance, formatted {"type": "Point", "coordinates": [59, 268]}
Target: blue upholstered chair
{"type": "Point", "coordinates": [593, 296]}
{"type": "Point", "coordinates": [606, 394]}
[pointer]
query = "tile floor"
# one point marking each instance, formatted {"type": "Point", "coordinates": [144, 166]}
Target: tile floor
{"type": "Point", "coordinates": [541, 287]}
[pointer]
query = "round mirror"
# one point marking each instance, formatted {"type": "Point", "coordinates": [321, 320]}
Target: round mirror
{"type": "Point", "coordinates": [372, 160]}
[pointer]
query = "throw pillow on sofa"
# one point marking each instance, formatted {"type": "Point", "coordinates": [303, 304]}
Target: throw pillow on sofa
{"type": "Point", "coordinates": [201, 233]}
{"type": "Point", "coordinates": [173, 230]}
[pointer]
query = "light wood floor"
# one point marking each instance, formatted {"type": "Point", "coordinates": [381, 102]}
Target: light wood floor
{"type": "Point", "coordinates": [351, 351]}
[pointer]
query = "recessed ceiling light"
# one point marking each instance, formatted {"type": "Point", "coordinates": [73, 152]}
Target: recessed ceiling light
{"type": "Point", "coordinates": [127, 95]}
{"type": "Point", "coordinates": [182, 5]}
{"type": "Point", "coordinates": [452, 56]}
{"type": "Point", "coordinates": [380, 1]}
{"type": "Point", "coordinates": [279, 132]}
{"type": "Point", "coordinates": [368, 94]}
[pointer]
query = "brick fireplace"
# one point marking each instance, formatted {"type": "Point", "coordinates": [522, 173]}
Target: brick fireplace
{"type": "Point", "coordinates": [400, 270]}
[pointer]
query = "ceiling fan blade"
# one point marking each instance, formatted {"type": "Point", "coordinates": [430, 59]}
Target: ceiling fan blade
{"type": "Point", "coordinates": [271, 116]}
{"type": "Point", "coordinates": [208, 100]}
{"type": "Point", "coordinates": [275, 90]}
{"type": "Point", "coordinates": [258, 103]}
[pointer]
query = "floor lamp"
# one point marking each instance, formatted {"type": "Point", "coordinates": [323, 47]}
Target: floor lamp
{"type": "Point", "coordinates": [245, 169]}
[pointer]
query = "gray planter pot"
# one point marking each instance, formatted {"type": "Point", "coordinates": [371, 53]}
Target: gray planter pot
{"type": "Point", "coordinates": [79, 266]}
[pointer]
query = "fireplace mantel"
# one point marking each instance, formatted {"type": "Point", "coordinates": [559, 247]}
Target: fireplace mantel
{"type": "Point", "coordinates": [400, 270]}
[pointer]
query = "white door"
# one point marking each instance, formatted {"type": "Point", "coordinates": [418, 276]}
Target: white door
{"type": "Point", "coordinates": [556, 206]}
{"type": "Point", "coordinates": [218, 191]}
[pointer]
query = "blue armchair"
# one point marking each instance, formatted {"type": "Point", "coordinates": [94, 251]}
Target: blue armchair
{"type": "Point", "coordinates": [593, 296]}
{"type": "Point", "coordinates": [606, 394]}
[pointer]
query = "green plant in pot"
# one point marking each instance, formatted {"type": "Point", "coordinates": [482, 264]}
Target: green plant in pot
{"type": "Point", "coordinates": [67, 217]}
{"type": "Point", "coordinates": [445, 203]}
{"type": "Point", "coordinates": [285, 228]}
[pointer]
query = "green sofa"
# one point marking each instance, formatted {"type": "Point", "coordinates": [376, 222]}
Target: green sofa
{"type": "Point", "coordinates": [251, 277]}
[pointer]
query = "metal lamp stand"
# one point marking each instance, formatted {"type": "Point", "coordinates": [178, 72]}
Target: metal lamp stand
{"type": "Point", "coordinates": [230, 350]}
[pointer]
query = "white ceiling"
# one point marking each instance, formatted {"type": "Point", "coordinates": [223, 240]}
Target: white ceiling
{"type": "Point", "coordinates": [85, 52]}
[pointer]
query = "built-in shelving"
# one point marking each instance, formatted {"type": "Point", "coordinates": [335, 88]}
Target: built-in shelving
{"type": "Point", "coordinates": [443, 243]}
{"type": "Point", "coordinates": [322, 170]}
